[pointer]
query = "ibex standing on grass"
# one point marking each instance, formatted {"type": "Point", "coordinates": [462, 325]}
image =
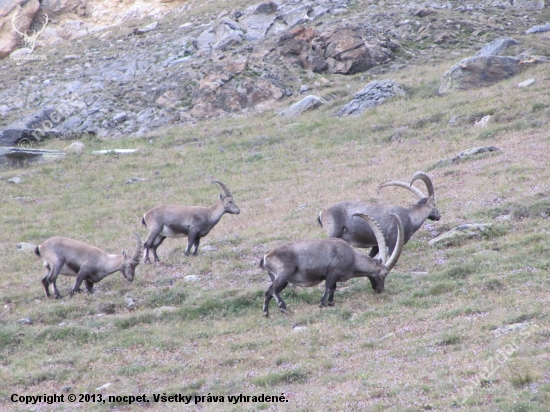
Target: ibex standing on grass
{"type": "Point", "coordinates": [192, 222]}
{"type": "Point", "coordinates": [88, 263]}
{"type": "Point", "coordinates": [309, 262]}
{"type": "Point", "coordinates": [339, 222]}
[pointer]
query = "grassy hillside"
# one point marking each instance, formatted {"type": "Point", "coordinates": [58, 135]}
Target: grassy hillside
{"type": "Point", "coordinates": [429, 340]}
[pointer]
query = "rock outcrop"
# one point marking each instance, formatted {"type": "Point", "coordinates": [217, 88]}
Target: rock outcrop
{"type": "Point", "coordinates": [372, 95]}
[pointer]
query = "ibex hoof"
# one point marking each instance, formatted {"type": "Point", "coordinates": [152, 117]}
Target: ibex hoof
{"type": "Point", "coordinates": [266, 314]}
{"type": "Point", "coordinates": [330, 304]}
{"type": "Point", "coordinates": [284, 310]}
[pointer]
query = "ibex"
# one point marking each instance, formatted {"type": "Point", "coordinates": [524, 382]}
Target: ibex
{"type": "Point", "coordinates": [338, 222]}
{"type": "Point", "coordinates": [181, 221]}
{"type": "Point", "coordinates": [308, 262]}
{"type": "Point", "coordinates": [88, 263]}
{"type": "Point", "coordinates": [30, 41]}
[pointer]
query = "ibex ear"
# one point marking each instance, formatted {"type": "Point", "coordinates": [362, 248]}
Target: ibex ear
{"type": "Point", "coordinates": [124, 255]}
{"type": "Point", "coordinates": [222, 197]}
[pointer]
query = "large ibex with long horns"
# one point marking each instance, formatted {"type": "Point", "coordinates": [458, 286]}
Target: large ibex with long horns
{"type": "Point", "coordinates": [339, 222]}
{"type": "Point", "coordinates": [88, 263]}
{"type": "Point", "coordinates": [193, 222]}
{"type": "Point", "coordinates": [309, 262]}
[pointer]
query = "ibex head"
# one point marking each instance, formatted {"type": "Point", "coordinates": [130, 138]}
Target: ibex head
{"type": "Point", "coordinates": [128, 268]}
{"type": "Point", "coordinates": [227, 199]}
{"type": "Point", "coordinates": [30, 41]}
{"type": "Point", "coordinates": [423, 200]}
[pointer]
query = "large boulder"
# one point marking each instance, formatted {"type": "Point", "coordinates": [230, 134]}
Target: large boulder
{"type": "Point", "coordinates": [221, 36]}
{"type": "Point", "coordinates": [372, 95]}
{"type": "Point", "coordinates": [346, 52]}
{"type": "Point", "coordinates": [482, 71]}
{"type": "Point", "coordinates": [258, 19]}
{"type": "Point", "coordinates": [339, 50]}
{"type": "Point", "coordinates": [224, 89]}
{"type": "Point", "coordinates": [49, 122]}
{"type": "Point", "coordinates": [24, 12]}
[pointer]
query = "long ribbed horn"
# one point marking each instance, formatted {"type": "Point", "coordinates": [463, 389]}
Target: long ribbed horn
{"type": "Point", "coordinates": [404, 185]}
{"type": "Point", "coordinates": [139, 247]}
{"type": "Point", "coordinates": [225, 189]}
{"type": "Point", "coordinates": [426, 179]}
{"type": "Point", "coordinates": [399, 244]}
{"type": "Point", "coordinates": [378, 233]}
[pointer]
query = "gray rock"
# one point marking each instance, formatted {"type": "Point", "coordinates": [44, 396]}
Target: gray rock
{"type": "Point", "coordinates": [307, 103]}
{"type": "Point", "coordinates": [503, 330]}
{"type": "Point", "coordinates": [17, 156]}
{"type": "Point", "coordinates": [130, 303]}
{"type": "Point", "coordinates": [146, 29]}
{"type": "Point", "coordinates": [191, 278]}
{"type": "Point", "coordinates": [527, 83]}
{"type": "Point", "coordinates": [538, 29]}
{"type": "Point", "coordinates": [120, 117]}
{"type": "Point", "coordinates": [477, 72]}
{"type": "Point", "coordinates": [373, 94]}
{"type": "Point", "coordinates": [135, 180]}
{"type": "Point", "coordinates": [460, 233]}
{"type": "Point", "coordinates": [496, 47]}
{"type": "Point", "coordinates": [25, 321]}
{"type": "Point", "coordinates": [258, 19]}
{"type": "Point", "coordinates": [15, 180]}
{"type": "Point", "coordinates": [529, 4]}
{"type": "Point", "coordinates": [467, 154]}
{"type": "Point", "coordinates": [484, 121]}
{"type": "Point", "coordinates": [75, 147]}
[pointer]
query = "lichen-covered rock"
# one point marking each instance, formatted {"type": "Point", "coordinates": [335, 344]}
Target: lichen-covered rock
{"type": "Point", "coordinates": [460, 233]}
{"type": "Point", "coordinates": [467, 154]}
{"type": "Point", "coordinates": [372, 95]}
{"type": "Point", "coordinates": [307, 103]}
{"type": "Point", "coordinates": [346, 52]}
{"type": "Point", "coordinates": [482, 71]}
{"type": "Point", "coordinates": [496, 47]}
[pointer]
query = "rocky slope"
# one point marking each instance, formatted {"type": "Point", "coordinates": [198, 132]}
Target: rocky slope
{"type": "Point", "coordinates": [202, 60]}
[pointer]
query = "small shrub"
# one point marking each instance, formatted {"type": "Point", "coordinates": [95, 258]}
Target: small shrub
{"type": "Point", "coordinates": [522, 379]}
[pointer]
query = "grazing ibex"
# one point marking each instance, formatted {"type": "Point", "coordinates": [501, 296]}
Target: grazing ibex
{"type": "Point", "coordinates": [338, 222]}
{"type": "Point", "coordinates": [181, 221]}
{"type": "Point", "coordinates": [309, 262]}
{"type": "Point", "coordinates": [88, 263]}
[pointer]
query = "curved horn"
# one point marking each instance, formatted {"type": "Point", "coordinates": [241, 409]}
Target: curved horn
{"type": "Point", "coordinates": [139, 247]}
{"type": "Point", "coordinates": [426, 179]}
{"type": "Point", "coordinates": [404, 185]}
{"type": "Point", "coordinates": [225, 189]}
{"type": "Point", "coordinates": [399, 245]}
{"type": "Point", "coordinates": [378, 233]}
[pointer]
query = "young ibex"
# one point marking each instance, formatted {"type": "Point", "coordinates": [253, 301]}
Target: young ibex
{"type": "Point", "coordinates": [338, 222]}
{"type": "Point", "coordinates": [309, 262]}
{"type": "Point", "coordinates": [88, 263]}
{"type": "Point", "coordinates": [181, 221]}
